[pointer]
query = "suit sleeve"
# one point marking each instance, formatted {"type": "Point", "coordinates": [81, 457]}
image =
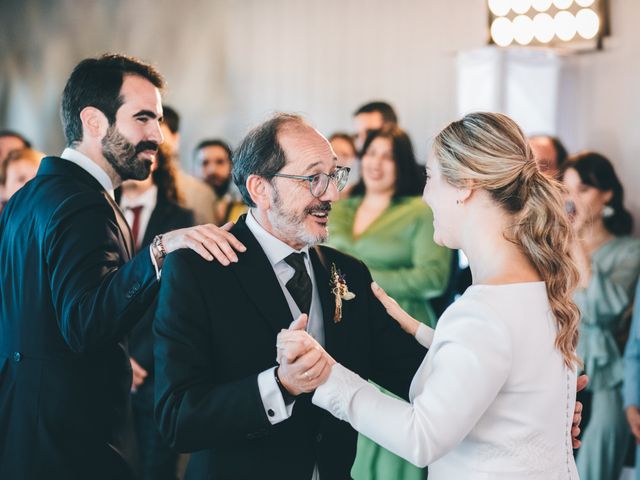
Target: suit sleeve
{"type": "Point", "coordinates": [195, 408]}
{"type": "Point", "coordinates": [97, 297]}
{"type": "Point", "coordinates": [141, 340]}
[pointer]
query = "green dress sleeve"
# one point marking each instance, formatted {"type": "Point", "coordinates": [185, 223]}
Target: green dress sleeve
{"type": "Point", "coordinates": [428, 275]}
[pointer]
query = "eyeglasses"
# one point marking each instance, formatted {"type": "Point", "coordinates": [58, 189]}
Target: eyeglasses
{"type": "Point", "coordinates": [319, 182]}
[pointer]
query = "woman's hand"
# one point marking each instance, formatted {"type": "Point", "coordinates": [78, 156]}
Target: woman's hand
{"type": "Point", "coordinates": [406, 321]}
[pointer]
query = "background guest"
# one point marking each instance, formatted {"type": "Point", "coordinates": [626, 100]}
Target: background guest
{"type": "Point", "coordinates": [151, 208]}
{"type": "Point", "coordinates": [372, 116]}
{"type": "Point", "coordinates": [345, 149]}
{"type": "Point", "coordinates": [608, 260]}
{"type": "Point", "coordinates": [18, 168]}
{"type": "Point", "coordinates": [550, 155]}
{"type": "Point", "coordinates": [9, 140]}
{"type": "Point", "coordinates": [214, 158]}
{"type": "Point", "coordinates": [386, 224]}
{"type": "Point", "coordinates": [196, 195]}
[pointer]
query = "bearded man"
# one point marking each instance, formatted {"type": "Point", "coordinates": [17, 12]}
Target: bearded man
{"type": "Point", "coordinates": [71, 288]}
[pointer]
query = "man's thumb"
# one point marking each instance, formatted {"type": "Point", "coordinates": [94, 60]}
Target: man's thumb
{"type": "Point", "coordinates": [300, 323]}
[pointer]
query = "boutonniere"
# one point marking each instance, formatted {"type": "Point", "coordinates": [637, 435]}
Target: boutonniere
{"type": "Point", "coordinates": [340, 291]}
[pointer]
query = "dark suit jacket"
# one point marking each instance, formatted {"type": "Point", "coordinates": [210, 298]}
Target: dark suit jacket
{"type": "Point", "coordinates": [67, 301]}
{"type": "Point", "coordinates": [167, 216]}
{"type": "Point", "coordinates": [216, 330]}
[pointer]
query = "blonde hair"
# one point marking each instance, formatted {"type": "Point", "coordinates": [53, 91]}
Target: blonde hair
{"type": "Point", "coordinates": [489, 151]}
{"type": "Point", "coordinates": [28, 154]}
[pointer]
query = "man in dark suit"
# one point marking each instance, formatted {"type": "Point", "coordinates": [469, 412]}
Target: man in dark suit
{"type": "Point", "coordinates": [218, 391]}
{"type": "Point", "coordinates": [70, 287]}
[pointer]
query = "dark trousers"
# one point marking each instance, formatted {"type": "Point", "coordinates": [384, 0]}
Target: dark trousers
{"type": "Point", "coordinates": [157, 460]}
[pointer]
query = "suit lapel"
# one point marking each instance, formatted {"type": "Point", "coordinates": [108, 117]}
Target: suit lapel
{"type": "Point", "coordinates": [259, 281]}
{"type": "Point", "coordinates": [334, 335]}
{"type": "Point", "coordinates": [125, 232]}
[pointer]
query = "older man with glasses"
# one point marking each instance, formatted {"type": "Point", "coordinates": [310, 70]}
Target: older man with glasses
{"type": "Point", "coordinates": [219, 391]}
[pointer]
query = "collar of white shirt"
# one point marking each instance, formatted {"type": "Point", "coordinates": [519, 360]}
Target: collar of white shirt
{"type": "Point", "coordinates": [275, 249]}
{"type": "Point", "coordinates": [147, 200]}
{"type": "Point", "coordinates": [90, 167]}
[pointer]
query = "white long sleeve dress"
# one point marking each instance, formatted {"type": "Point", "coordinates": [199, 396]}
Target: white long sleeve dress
{"type": "Point", "coordinates": [493, 398]}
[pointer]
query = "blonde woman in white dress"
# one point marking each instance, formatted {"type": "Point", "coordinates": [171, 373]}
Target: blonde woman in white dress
{"type": "Point", "coordinates": [494, 397]}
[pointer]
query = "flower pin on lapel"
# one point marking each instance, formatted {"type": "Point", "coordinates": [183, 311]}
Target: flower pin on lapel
{"type": "Point", "coordinates": [340, 290]}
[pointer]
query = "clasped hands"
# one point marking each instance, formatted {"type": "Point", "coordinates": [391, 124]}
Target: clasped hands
{"type": "Point", "coordinates": [304, 364]}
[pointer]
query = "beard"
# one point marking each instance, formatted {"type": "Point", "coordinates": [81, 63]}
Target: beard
{"type": "Point", "coordinates": [220, 187]}
{"type": "Point", "coordinates": [292, 225]}
{"type": "Point", "coordinates": [122, 155]}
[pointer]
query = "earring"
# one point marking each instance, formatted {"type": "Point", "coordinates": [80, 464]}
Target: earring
{"type": "Point", "coordinates": [608, 211]}
{"type": "Point", "coordinates": [459, 202]}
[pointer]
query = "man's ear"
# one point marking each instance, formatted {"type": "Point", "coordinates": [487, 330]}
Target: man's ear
{"type": "Point", "coordinates": [259, 189]}
{"type": "Point", "coordinates": [94, 123]}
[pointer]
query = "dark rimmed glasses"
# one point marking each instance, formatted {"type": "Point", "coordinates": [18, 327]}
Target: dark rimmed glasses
{"type": "Point", "coordinates": [319, 182]}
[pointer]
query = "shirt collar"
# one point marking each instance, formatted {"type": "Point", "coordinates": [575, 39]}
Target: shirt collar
{"type": "Point", "coordinates": [91, 167]}
{"type": "Point", "coordinates": [275, 249]}
{"type": "Point", "coordinates": [147, 199]}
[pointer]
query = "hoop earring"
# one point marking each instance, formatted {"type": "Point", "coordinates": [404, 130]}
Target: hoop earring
{"type": "Point", "coordinates": [608, 211]}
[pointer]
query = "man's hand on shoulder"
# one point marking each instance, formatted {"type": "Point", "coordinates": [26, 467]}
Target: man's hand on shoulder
{"type": "Point", "coordinates": [209, 241]}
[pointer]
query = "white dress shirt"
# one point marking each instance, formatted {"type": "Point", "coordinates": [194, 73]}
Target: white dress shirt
{"type": "Point", "coordinates": [493, 398]}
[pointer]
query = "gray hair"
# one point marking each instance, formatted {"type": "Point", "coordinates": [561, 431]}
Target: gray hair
{"type": "Point", "coordinates": [260, 153]}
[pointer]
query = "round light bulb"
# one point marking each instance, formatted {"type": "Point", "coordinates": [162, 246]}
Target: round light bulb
{"type": "Point", "coordinates": [587, 23]}
{"type": "Point", "coordinates": [565, 25]}
{"type": "Point", "coordinates": [562, 4]}
{"type": "Point", "coordinates": [585, 3]}
{"type": "Point", "coordinates": [523, 29]}
{"type": "Point", "coordinates": [521, 6]}
{"type": "Point", "coordinates": [541, 5]}
{"type": "Point", "coordinates": [499, 7]}
{"type": "Point", "coordinates": [502, 31]}
{"type": "Point", "coordinates": [543, 27]}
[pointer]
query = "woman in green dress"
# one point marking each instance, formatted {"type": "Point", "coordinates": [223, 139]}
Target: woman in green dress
{"type": "Point", "coordinates": [608, 260]}
{"type": "Point", "coordinates": [386, 224]}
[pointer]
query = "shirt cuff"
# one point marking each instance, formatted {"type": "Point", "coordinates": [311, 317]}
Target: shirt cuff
{"type": "Point", "coordinates": [424, 335]}
{"type": "Point", "coordinates": [155, 264]}
{"type": "Point", "coordinates": [272, 401]}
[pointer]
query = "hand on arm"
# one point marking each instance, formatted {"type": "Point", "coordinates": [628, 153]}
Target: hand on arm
{"type": "Point", "coordinates": [633, 417]}
{"type": "Point", "coordinates": [207, 240]}
{"type": "Point", "coordinates": [577, 413]}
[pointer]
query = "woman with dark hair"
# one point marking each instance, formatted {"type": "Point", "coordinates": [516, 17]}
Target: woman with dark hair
{"type": "Point", "coordinates": [386, 225]}
{"type": "Point", "coordinates": [608, 260]}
